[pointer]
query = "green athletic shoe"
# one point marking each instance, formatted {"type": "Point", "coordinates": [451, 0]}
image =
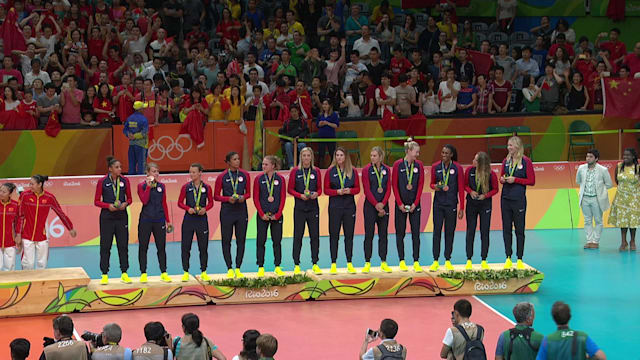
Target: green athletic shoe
{"type": "Point", "coordinates": [384, 267]}
{"type": "Point", "coordinates": [416, 267]}
{"type": "Point", "coordinates": [469, 265]}
{"type": "Point", "coordinates": [448, 266]}
{"type": "Point", "coordinates": [279, 271]}
{"type": "Point", "coordinates": [434, 266]}
{"type": "Point", "coordinates": [316, 269]}
{"type": "Point", "coordinates": [144, 278]}
{"type": "Point", "coordinates": [366, 268]}
{"type": "Point", "coordinates": [403, 266]}
{"type": "Point", "coordinates": [350, 268]}
{"type": "Point", "coordinates": [334, 269]}
{"type": "Point", "coordinates": [185, 277]}
{"type": "Point", "coordinates": [239, 274]}
{"type": "Point", "coordinates": [484, 265]}
{"type": "Point", "coordinates": [296, 270]}
{"type": "Point", "coordinates": [508, 264]}
{"type": "Point", "coordinates": [104, 280]}
{"type": "Point", "coordinates": [231, 274]}
{"type": "Point", "coordinates": [519, 264]}
{"type": "Point", "coordinates": [204, 276]}
{"type": "Point", "coordinates": [165, 277]}
{"type": "Point", "coordinates": [125, 278]}
{"type": "Point", "coordinates": [261, 272]}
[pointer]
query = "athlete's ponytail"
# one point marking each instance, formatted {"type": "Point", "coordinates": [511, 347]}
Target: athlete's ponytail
{"type": "Point", "coordinates": [40, 179]}
{"type": "Point", "coordinates": [191, 324]}
{"type": "Point", "coordinates": [410, 145]}
{"type": "Point", "coordinates": [111, 161]}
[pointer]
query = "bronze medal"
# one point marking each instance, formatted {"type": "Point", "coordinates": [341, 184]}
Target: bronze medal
{"type": "Point", "coordinates": [409, 187]}
{"type": "Point", "coordinates": [380, 190]}
{"type": "Point", "coordinates": [270, 199]}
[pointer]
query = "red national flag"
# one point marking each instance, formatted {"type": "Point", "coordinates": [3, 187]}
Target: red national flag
{"type": "Point", "coordinates": [11, 34]}
{"type": "Point", "coordinates": [415, 125]}
{"type": "Point", "coordinates": [621, 98]}
{"type": "Point", "coordinates": [53, 125]}
{"type": "Point", "coordinates": [481, 61]}
{"type": "Point", "coordinates": [193, 125]}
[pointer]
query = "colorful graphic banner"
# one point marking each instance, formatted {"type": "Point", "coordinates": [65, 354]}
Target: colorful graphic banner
{"type": "Point", "coordinates": [72, 152]}
{"type": "Point", "coordinates": [552, 204]}
{"type": "Point", "coordinates": [487, 8]}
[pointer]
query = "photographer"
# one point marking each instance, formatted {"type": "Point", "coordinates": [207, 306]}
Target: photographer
{"type": "Point", "coordinates": [19, 349]}
{"type": "Point", "coordinates": [388, 348]}
{"type": "Point", "coordinates": [157, 345]}
{"type": "Point", "coordinates": [108, 347]}
{"type": "Point", "coordinates": [63, 346]}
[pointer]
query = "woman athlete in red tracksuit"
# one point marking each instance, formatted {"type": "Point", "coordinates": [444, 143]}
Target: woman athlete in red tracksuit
{"type": "Point", "coordinates": [33, 211]}
{"type": "Point", "coordinates": [9, 231]}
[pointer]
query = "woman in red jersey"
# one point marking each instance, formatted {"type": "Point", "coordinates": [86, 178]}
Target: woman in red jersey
{"type": "Point", "coordinates": [9, 231]}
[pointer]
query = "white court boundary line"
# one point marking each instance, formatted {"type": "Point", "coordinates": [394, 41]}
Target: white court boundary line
{"type": "Point", "coordinates": [492, 309]}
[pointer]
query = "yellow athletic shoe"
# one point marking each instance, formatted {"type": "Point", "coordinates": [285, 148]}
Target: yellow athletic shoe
{"type": "Point", "coordinates": [434, 266]}
{"type": "Point", "coordinates": [384, 267]}
{"type": "Point", "coordinates": [125, 278]}
{"type": "Point", "coordinates": [261, 272]}
{"type": "Point", "coordinates": [104, 280]}
{"type": "Point", "coordinates": [366, 268]}
{"type": "Point", "coordinates": [334, 269]}
{"type": "Point", "coordinates": [469, 265]}
{"type": "Point", "coordinates": [204, 276]}
{"type": "Point", "coordinates": [144, 278]}
{"type": "Point", "coordinates": [403, 266]}
{"type": "Point", "coordinates": [296, 270]}
{"type": "Point", "coordinates": [519, 264]}
{"type": "Point", "coordinates": [416, 267]}
{"type": "Point", "coordinates": [508, 264]}
{"type": "Point", "coordinates": [165, 277]}
{"type": "Point", "coordinates": [316, 269]}
{"type": "Point", "coordinates": [448, 266]}
{"type": "Point", "coordinates": [185, 277]}
{"type": "Point", "coordinates": [239, 274]}
{"type": "Point", "coordinates": [279, 271]}
{"type": "Point", "coordinates": [231, 274]}
{"type": "Point", "coordinates": [350, 268]}
{"type": "Point", "coordinates": [484, 265]}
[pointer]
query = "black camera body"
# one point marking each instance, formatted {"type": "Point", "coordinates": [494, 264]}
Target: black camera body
{"type": "Point", "coordinates": [95, 338]}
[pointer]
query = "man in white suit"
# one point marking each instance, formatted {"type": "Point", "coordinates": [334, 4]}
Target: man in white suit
{"type": "Point", "coordinates": [594, 180]}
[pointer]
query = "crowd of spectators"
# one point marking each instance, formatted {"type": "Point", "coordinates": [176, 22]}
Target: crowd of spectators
{"type": "Point", "coordinates": [89, 61]}
{"type": "Point", "coordinates": [464, 339]}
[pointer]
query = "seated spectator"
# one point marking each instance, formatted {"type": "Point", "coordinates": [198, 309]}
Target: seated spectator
{"type": "Point", "coordinates": [266, 346]}
{"type": "Point", "coordinates": [8, 72]}
{"type": "Point", "coordinates": [467, 96]}
{"type": "Point", "coordinates": [295, 128]}
{"type": "Point", "coordinates": [578, 96]}
{"type": "Point", "coordinates": [454, 343]}
{"type": "Point", "coordinates": [20, 349]}
{"type": "Point", "coordinates": [448, 93]}
{"type": "Point", "coordinates": [111, 336]}
{"type": "Point", "coordinates": [379, 11]}
{"type": "Point", "coordinates": [405, 96]}
{"type": "Point", "coordinates": [63, 345]}
{"type": "Point", "coordinates": [353, 69]}
{"type": "Point", "coordinates": [429, 98]}
{"type": "Point", "coordinates": [483, 94]}
{"type": "Point", "coordinates": [35, 73]}
{"type": "Point", "coordinates": [249, 339]}
{"type": "Point", "coordinates": [562, 27]}
{"type": "Point", "coordinates": [560, 43]}
{"type": "Point", "coordinates": [560, 344]}
{"type": "Point", "coordinates": [365, 44]}
{"type": "Point", "coordinates": [531, 94]}
{"type": "Point", "coordinates": [520, 342]}
{"type": "Point", "coordinates": [617, 48]}
{"type": "Point", "coordinates": [157, 345]}
{"type": "Point", "coordinates": [385, 95]}
{"type": "Point", "coordinates": [388, 348]}
{"type": "Point", "coordinates": [193, 345]}
{"type": "Point", "coordinates": [500, 92]}
{"type": "Point", "coordinates": [354, 101]}
{"type": "Point", "coordinates": [549, 85]}
{"type": "Point", "coordinates": [632, 60]}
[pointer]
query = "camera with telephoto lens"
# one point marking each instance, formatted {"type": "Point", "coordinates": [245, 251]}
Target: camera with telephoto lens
{"type": "Point", "coordinates": [163, 342]}
{"type": "Point", "coordinates": [95, 338]}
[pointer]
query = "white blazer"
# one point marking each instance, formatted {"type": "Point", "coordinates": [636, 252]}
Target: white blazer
{"type": "Point", "coordinates": [603, 182]}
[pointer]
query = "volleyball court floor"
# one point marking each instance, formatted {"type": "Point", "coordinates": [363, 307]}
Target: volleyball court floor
{"type": "Point", "coordinates": [602, 287]}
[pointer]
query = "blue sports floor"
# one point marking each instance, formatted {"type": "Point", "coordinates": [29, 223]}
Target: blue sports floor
{"type": "Point", "coordinates": [602, 286]}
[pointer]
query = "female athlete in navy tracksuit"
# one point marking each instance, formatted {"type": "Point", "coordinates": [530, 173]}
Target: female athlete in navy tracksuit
{"type": "Point", "coordinates": [408, 181]}
{"type": "Point", "coordinates": [376, 183]}
{"type": "Point", "coordinates": [195, 199]}
{"type": "Point", "coordinates": [154, 218]}
{"type": "Point", "coordinates": [341, 183]}
{"type": "Point", "coordinates": [447, 179]}
{"type": "Point", "coordinates": [481, 185]}
{"type": "Point", "coordinates": [113, 195]}
{"type": "Point", "coordinates": [233, 188]}
{"type": "Point", "coordinates": [305, 186]}
{"type": "Point", "coordinates": [269, 197]}
{"type": "Point", "coordinates": [516, 174]}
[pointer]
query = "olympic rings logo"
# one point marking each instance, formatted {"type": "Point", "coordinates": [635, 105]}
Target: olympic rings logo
{"type": "Point", "coordinates": [172, 149]}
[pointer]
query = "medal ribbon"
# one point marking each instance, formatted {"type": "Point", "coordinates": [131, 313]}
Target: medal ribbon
{"type": "Point", "coordinates": [116, 189]}
{"type": "Point", "coordinates": [199, 191]}
{"type": "Point", "coordinates": [378, 175]}
{"type": "Point", "coordinates": [306, 177]}
{"type": "Point", "coordinates": [341, 176]}
{"type": "Point", "coordinates": [234, 184]}
{"type": "Point", "coordinates": [445, 174]}
{"type": "Point", "coordinates": [512, 167]}
{"type": "Point", "coordinates": [409, 171]}
{"type": "Point", "coordinates": [270, 184]}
